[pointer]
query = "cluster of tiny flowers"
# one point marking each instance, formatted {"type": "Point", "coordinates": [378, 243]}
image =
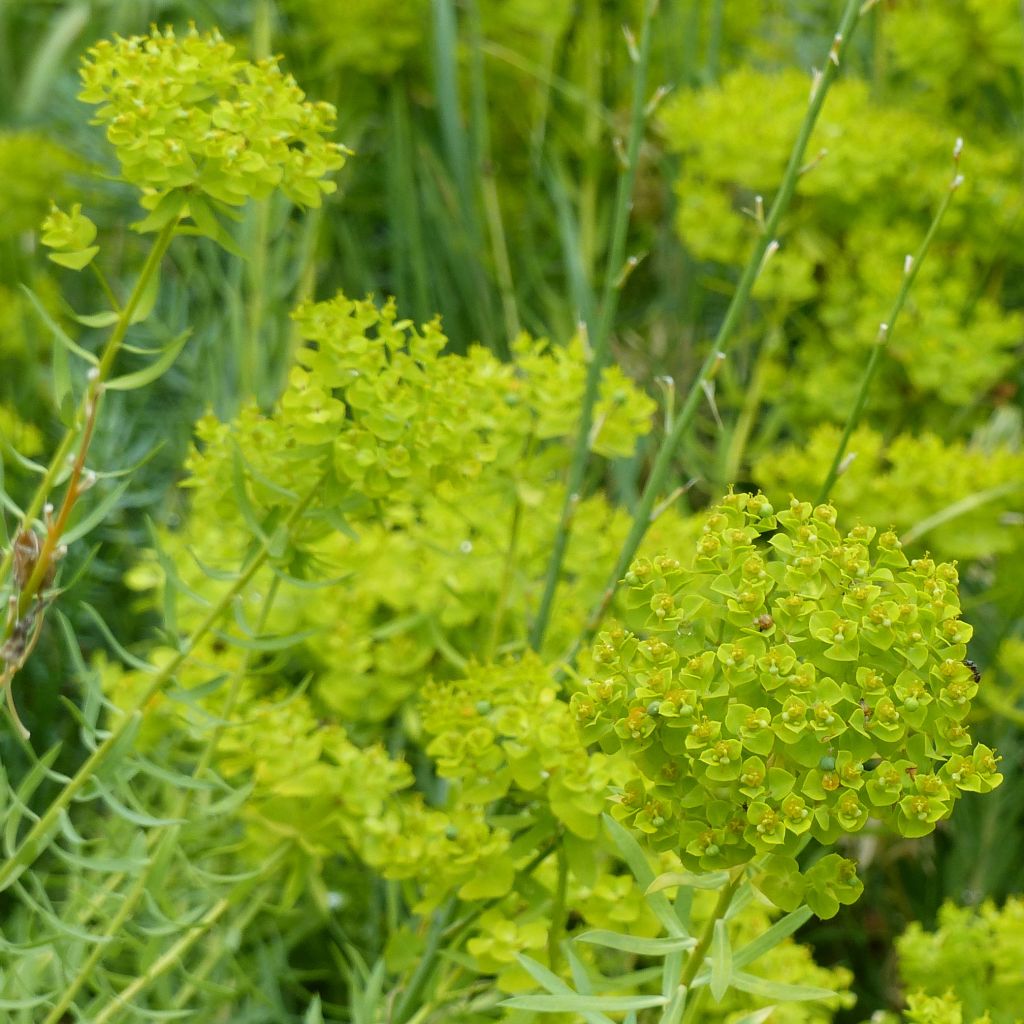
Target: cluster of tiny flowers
{"type": "Point", "coordinates": [792, 681]}
{"type": "Point", "coordinates": [186, 114]}
{"type": "Point", "coordinates": [504, 729]}
{"type": "Point", "coordinates": [398, 419]}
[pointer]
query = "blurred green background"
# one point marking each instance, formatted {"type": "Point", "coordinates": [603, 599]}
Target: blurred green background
{"type": "Point", "coordinates": [486, 138]}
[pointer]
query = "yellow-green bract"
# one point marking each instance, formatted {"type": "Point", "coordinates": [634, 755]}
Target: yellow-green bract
{"type": "Point", "coordinates": [794, 680]}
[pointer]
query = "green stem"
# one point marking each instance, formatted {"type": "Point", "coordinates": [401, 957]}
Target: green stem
{"type": "Point", "coordinates": [418, 982]}
{"type": "Point", "coordinates": [665, 456]}
{"type": "Point", "coordinates": [748, 413]}
{"type": "Point", "coordinates": [558, 911]}
{"type": "Point", "coordinates": [163, 963]}
{"type": "Point", "coordinates": [696, 958]}
{"type": "Point", "coordinates": [487, 179]}
{"type": "Point", "coordinates": [59, 461]}
{"type": "Point", "coordinates": [599, 330]}
{"type": "Point", "coordinates": [885, 337]}
{"type": "Point", "coordinates": [35, 841]}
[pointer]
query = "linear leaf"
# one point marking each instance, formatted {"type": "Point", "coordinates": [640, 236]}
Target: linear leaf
{"type": "Point", "coordinates": [782, 929]}
{"type": "Point", "coordinates": [105, 318]}
{"type": "Point", "coordinates": [555, 985]}
{"type": "Point", "coordinates": [777, 990]}
{"type": "Point", "coordinates": [630, 851]}
{"type": "Point", "coordinates": [115, 645]}
{"type": "Point", "coordinates": [721, 960]}
{"type": "Point", "coordinates": [674, 1011]}
{"type": "Point", "coordinates": [636, 944]}
{"type": "Point", "coordinates": [28, 1003]}
{"type": "Point", "coordinates": [57, 331]}
{"type": "Point", "coordinates": [157, 368]}
{"type": "Point", "coordinates": [758, 1016]}
{"type": "Point", "coordinates": [96, 515]}
{"type": "Point", "coordinates": [689, 880]}
{"type": "Point", "coordinates": [575, 1003]}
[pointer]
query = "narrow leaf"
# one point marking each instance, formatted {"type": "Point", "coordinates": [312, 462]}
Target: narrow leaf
{"type": "Point", "coordinates": [689, 880]}
{"type": "Point", "coordinates": [777, 990]}
{"type": "Point", "coordinates": [721, 961]}
{"type": "Point", "coordinates": [636, 944]}
{"type": "Point", "coordinates": [96, 515]}
{"type": "Point", "coordinates": [782, 929]}
{"type": "Point", "coordinates": [575, 1003]}
{"type": "Point", "coordinates": [630, 851]}
{"type": "Point", "coordinates": [107, 318]}
{"type": "Point", "coordinates": [547, 979]}
{"type": "Point", "coordinates": [157, 368]}
{"type": "Point", "coordinates": [58, 332]}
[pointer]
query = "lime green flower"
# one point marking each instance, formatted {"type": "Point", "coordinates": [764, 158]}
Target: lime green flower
{"type": "Point", "coordinates": [785, 685]}
{"type": "Point", "coordinates": [197, 129]}
{"type": "Point", "coordinates": [71, 236]}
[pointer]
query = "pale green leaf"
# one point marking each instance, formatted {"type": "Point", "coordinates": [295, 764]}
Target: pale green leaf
{"type": "Point", "coordinates": [782, 929]}
{"type": "Point", "coordinates": [720, 956]}
{"type": "Point", "coordinates": [777, 990]}
{"type": "Point", "coordinates": [157, 368]}
{"type": "Point", "coordinates": [636, 944]}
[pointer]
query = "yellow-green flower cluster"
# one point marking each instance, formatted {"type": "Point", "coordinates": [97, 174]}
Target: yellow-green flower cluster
{"type": "Point", "coordinates": [859, 210]}
{"type": "Point", "coordinates": [905, 482]}
{"type": "Point", "coordinates": [71, 236]}
{"type": "Point", "coordinates": [190, 120]}
{"type": "Point", "coordinates": [793, 682]}
{"type": "Point", "coordinates": [974, 952]}
{"type": "Point", "coordinates": [449, 470]}
{"type": "Point", "coordinates": [504, 728]}
{"type": "Point", "coordinates": [376, 401]}
{"type": "Point", "coordinates": [317, 795]}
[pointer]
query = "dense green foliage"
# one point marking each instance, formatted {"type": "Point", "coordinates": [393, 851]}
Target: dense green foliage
{"type": "Point", "coordinates": [410, 617]}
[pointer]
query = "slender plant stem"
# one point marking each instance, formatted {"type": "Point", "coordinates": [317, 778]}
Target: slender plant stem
{"type": "Point", "coordinates": [489, 197]}
{"type": "Point", "coordinates": [163, 963]}
{"type": "Point", "coordinates": [558, 910]}
{"type": "Point", "coordinates": [599, 330]}
{"type": "Point", "coordinates": [35, 841]}
{"type": "Point", "coordinates": [214, 955]}
{"type": "Point", "coordinates": [106, 362]}
{"type": "Point", "coordinates": [765, 243]}
{"type": "Point", "coordinates": [696, 958]}
{"type": "Point", "coordinates": [885, 333]}
{"type": "Point", "coordinates": [418, 982]}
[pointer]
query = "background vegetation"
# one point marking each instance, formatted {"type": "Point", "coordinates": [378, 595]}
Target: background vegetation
{"type": "Point", "coordinates": [488, 141]}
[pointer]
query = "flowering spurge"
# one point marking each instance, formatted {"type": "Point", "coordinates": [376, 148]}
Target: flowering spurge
{"type": "Point", "coordinates": [197, 129]}
{"type": "Point", "coordinates": [792, 681]}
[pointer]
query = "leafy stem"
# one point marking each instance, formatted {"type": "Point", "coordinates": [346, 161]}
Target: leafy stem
{"type": "Point", "coordinates": [104, 366]}
{"type": "Point", "coordinates": [168, 836]}
{"type": "Point", "coordinates": [28, 620]}
{"type": "Point", "coordinates": [695, 960]}
{"type": "Point", "coordinates": [35, 841]}
{"type": "Point", "coordinates": [885, 331]}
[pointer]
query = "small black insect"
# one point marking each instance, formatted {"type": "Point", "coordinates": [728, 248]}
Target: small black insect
{"type": "Point", "coordinates": [975, 671]}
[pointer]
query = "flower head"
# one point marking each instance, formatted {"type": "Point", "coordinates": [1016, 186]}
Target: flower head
{"type": "Point", "coordinates": [791, 679]}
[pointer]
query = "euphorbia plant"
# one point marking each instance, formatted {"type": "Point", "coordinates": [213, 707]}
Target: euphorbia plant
{"type": "Point", "coordinates": [789, 683]}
